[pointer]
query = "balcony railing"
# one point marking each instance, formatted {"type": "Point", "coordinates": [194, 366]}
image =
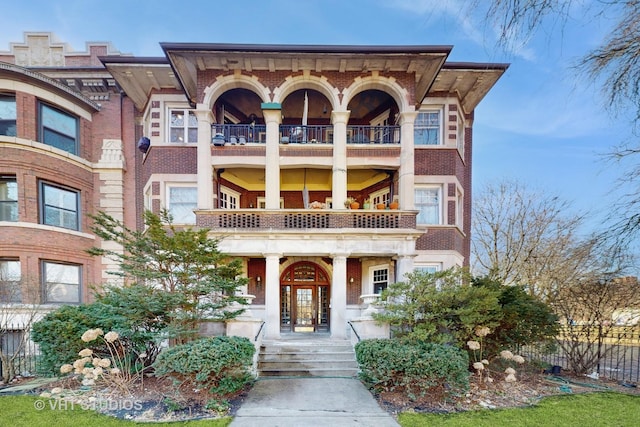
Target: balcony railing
{"type": "Point", "coordinates": [239, 134]}
{"type": "Point", "coordinates": [297, 134]}
{"type": "Point", "coordinates": [373, 134]}
{"type": "Point", "coordinates": [299, 219]}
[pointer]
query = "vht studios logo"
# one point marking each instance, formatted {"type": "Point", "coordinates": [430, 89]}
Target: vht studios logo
{"type": "Point", "coordinates": [101, 405]}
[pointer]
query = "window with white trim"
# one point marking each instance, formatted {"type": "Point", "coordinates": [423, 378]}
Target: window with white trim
{"type": "Point", "coordinates": [8, 115]}
{"type": "Point", "coordinates": [58, 129]}
{"type": "Point", "coordinates": [8, 198]}
{"type": "Point", "coordinates": [428, 203]}
{"type": "Point", "coordinates": [380, 279]}
{"type": "Point", "coordinates": [183, 125]}
{"type": "Point", "coordinates": [182, 200]}
{"type": "Point", "coordinates": [59, 206]}
{"type": "Point", "coordinates": [427, 128]}
{"type": "Point", "coordinates": [61, 282]}
{"type": "Point", "coordinates": [380, 197]}
{"type": "Point", "coordinates": [459, 209]}
{"type": "Point", "coordinates": [229, 199]}
{"type": "Point", "coordinates": [10, 285]}
{"type": "Point", "coordinates": [428, 268]}
{"type": "Point", "coordinates": [262, 202]}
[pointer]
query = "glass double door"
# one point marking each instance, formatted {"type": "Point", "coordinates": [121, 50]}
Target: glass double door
{"type": "Point", "coordinates": [305, 308]}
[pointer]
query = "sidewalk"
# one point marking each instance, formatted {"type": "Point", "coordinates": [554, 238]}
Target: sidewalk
{"type": "Point", "coordinates": [317, 402]}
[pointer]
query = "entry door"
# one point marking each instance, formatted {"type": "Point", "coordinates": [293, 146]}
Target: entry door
{"type": "Point", "coordinates": [304, 309]}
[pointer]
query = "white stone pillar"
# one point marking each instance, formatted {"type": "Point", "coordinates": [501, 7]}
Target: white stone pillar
{"type": "Point", "coordinates": [404, 265]}
{"type": "Point", "coordinates": [339, 177]}
{"type": "Point", "coordinates": [205, 168]}
{"type": "Point", "coordinates": [272, 117]}
{"type": "Point", "coordinates": [272, 296]}
{"type": "Point", "coordinates": [111, 169]}
{"type": "Point", "coordinates": [339, 297]}
{"type": "Point", "coordinates": [407, 168]}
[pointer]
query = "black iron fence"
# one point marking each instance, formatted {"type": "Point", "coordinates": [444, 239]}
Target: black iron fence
{"type": "Point", "coordinates": [614, 355]}
{"type": "Point", "coordinates": [18, 354]}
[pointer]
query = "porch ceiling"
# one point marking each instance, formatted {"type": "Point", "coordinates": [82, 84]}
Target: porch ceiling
{"type": "Point", "coordinates": [295, 179]}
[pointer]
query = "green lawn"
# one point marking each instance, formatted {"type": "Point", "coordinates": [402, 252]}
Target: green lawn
{"type": "Point", "coordinates": [32, 411]}
{"type": "Point", "coordinates": [579, 410]}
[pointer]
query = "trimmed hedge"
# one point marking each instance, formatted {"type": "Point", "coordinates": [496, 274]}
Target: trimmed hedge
{"type": "Point", "coordinates": [220, 365]}
{"type": "Point", "coordinates": [415, 368]}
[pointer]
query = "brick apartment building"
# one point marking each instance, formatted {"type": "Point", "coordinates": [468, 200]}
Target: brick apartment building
{"type": "Point", "coordinates": [265, 145]}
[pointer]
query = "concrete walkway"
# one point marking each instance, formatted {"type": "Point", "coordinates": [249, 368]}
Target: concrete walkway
{"type": "Point", "coordinates": [317, 402]}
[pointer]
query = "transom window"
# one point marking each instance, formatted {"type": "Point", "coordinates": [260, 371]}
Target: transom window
{"type": "Point", "coordinates": [61, 282]}
{"type": "Point", "coordinates": [380, 279]}
{"type": "Point", "coordinates": [10, 286]}
{"type": "Point", "coordinates": [8, 115]}
{"type": "Point", "coordinates": [183, 125]}
{"type": "Point", "coordinates": [427, 201]}
{"type": "Point", "coordinates": [428, 268]}
{"type": "Point", "coordinates": [229, 199]}
{"type": "Point", "coordinates": [58, 129]}
{"type": "Point", "coordinates": [183, 201]}
{"type": "Point", "coordinates": [8, 198]}
{"type": "Point", "coordinates": [59, 206]}
{"type": "Point", "coordinates": [426, 129]}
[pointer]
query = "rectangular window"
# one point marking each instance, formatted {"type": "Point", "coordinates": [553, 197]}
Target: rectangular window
{"type": "Point", "coordinates": [11, 341]}
{"type": "Point", "coordinates": [428, 268]}
{"type": "Point", "coordinates": [380, 280]}
{"type": "Point", "coordinates": [8, 115]}
{"type": "Point", "coordinates": [426, 129]}
{"type": "Point", "coordinates": [229, 199]}
{"type": "Point", "coordinates": [183, 126]}
{"type": "Point", "coordinates": [8, 198]}
{"type": "Point", "coordinates": [59, 206]}
{"type": "Point", "coordinates": [10, 284]}
{"type": "Point", "coordinates": [182, 202]}
{"type": "Point", "coordinates": [61, 282]}
{"type": "Point", "coordinates": [427, 201]}
{"type": "Point", "coordinates": [58, 129]}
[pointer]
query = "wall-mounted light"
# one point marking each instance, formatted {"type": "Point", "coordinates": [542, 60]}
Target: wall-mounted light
{"type": "Point", "coordinates": [258, 282]}
{"type": "Point", "coordinates": [350, 279]}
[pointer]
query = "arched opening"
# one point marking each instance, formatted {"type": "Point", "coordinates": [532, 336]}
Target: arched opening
{"type": "Point", "coordinates": [304, 298]}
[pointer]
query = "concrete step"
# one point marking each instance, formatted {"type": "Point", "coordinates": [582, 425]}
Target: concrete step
{"type": "Point", "coordinates": [307, 359]}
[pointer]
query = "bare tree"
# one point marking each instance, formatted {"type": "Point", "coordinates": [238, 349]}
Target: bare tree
{"type": "Point", "coordinates": [19, 309]}
{"type": "Point", "coordinates": [521, 236]}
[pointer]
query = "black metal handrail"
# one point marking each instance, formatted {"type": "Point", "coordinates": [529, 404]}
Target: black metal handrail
{"type": "Point", "coordinates": [298, 134]}
{"type": "Point", "coordinates": [354, 330]}
{"type": "Point", "coordinates": [259, 331]}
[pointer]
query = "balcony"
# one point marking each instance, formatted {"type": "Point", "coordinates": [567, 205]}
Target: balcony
{"type": "Point", "coordinates": [298, 134]}
{"type": "Point", "coordinates": [305, 219]}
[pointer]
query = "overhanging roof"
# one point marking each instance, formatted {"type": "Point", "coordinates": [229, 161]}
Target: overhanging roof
{"type": "Point", "coordinates": [189, 58]}
{"type": "Point", "coordinates": [139, 77]}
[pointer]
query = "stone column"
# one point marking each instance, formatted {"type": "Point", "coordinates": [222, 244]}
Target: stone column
{"type": "Point", "coordinates": [404, 265]}
{"type": "Point", "coordinates": [111, 168]}
{"type": "Point", "coordinates": [339, 297]}
{"type": "Point", "coordinates": [272, 296]}
{"type": "Point", "coordinates": [405, 182]}
{"type": "Point", "coordinates": [273, 117]}
{"type": "Point", "coordinates": [339, 177]}
{"type": "Point", "coordinates": [205, 168]}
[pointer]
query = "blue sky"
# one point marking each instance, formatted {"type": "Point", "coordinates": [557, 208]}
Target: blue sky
{"type": "Point", "coordinates": [541, 124]}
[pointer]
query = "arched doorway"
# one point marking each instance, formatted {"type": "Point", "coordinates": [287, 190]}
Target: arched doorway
{"type": "Point", "coordinates": [304, 298]}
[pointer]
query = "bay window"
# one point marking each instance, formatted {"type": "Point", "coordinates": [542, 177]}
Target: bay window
{"type": "Point", "coordinates": [427, 128]}
{"type": "Point", "coordinates": [61, 282]}
{"type": "Point", "coordinates": [58, 129]}
{"type": "Point", "coordinates": [59, 206]}
{"type": "Point", "coordinates": [427, 201]}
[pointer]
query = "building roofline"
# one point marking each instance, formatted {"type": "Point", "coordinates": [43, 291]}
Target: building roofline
{"type": "Point", "coordinates": [53, 84]}
{"type": "Point", "coordinates": [292, 48]}
{"type": "Point", "coordinates": [475, 66]}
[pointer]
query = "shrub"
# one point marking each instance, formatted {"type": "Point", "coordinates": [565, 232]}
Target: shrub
{"type": "Point", "coordinates": [415, 368]}
{"type": "Point", "coordinates": [439, 307]}
{"type": "Point", "coordinates": [525, 318]}
{"type": "Point", "coordinates": [218, 365]}
{"type": "Point", "coordinates": [137, 313]}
